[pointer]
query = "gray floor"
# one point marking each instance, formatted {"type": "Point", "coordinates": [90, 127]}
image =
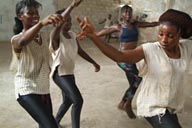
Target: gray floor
{"type": "Point", "coordinates": [101, 92]}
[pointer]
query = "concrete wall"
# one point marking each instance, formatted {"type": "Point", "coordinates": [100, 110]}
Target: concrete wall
{"type": "Point", "coordinates": [154, 8]}
{"type": "Point", "coordinates": [96, 10]}
{"type": "Point", "coordinates": [7, 15]}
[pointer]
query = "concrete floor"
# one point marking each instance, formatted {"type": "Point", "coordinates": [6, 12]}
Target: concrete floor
{"type": "Point", "coordinates": [101, 92]}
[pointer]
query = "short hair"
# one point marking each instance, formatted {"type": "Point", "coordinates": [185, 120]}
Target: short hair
{"type": "Point", "coordinates": [180, 19]}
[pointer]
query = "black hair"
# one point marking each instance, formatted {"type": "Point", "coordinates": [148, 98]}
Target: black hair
{"type": "Point", "coordinates": [179, 19]}
{"type": "Point", "coordinates": [19, 10]}
{"type": "Point", "coordinates": [125, 8]}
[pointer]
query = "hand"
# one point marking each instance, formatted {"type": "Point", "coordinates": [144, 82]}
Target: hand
{"type": "Point", "coordinates": [97, 67]}
{"type": "Point", "coordinates": [86, 26]}
{"type": "Point", "coordinates": [76, 3]}
{"type": "Point", "coordinates": [54, 19]}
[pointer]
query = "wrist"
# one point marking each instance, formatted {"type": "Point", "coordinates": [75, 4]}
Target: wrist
{"type": "Point", "coordinates": [41, 24]}
{"type": "Point", "coordinates": [72, 6]}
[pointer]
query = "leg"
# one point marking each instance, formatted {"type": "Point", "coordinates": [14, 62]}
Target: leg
{"type": "Point", "coordinates": [72, 95]}
{"type": "Point", "coordinates": [108, 36]}
{"type": "Point", "coordinates": [134, 80]}
{"type": "Point", "coordinates": [165, 121]}
{"type": "Point", "coordinates": [63, 108]}
{"type": "Point", "coordinates": [40, 109]}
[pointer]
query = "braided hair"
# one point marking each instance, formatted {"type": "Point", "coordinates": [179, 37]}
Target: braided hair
{"type": "Point", "coordinates": [180, 19]}
{"type": "Point", "coordinates": [18, 27]}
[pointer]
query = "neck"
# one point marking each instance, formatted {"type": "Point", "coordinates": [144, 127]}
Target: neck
{"type": "Point", "coordinates": [174, 52]}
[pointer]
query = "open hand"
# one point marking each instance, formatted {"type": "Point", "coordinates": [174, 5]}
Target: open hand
{"type": "Point", "coordinates": [86, 26]}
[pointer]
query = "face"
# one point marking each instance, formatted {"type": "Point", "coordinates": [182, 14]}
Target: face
{"type": "Point", "coordinates": [168, 36]}
{"type": "Point", "coordinates": [29, 16]}
{"type": "Point", "coordinates": [126, 14]}
{"type": "Point", "coordinates": [67, 24]}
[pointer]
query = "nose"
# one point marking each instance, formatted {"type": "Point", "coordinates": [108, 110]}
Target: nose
{"type": "Point", "coordinates": [164, 39]}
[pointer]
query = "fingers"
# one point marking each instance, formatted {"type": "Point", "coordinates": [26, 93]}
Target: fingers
{"type": "Point", "coordinates": [86, 27]}
{"type": "Point", "coordinates": [81, 23]}
{"type": "Point", "coordinates": [80, 35]}
{"type": "Point", "coordinates": [54, 19]}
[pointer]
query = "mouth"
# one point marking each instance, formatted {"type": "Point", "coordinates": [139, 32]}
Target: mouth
{"type": "Point", "coordinates": [35, 21]}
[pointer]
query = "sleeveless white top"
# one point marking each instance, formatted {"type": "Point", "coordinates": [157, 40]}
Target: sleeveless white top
{"type": "Point", "coordinates": [64, 57]}
{"type": "Point", "coordinates": [108, 23]}
{"type": "Point", "coordinates": [32, 69]}
{"type": "Point", "coordinates": [163, 85]}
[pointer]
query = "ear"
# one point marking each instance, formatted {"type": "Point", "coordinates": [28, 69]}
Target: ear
{"type": "Point", "coordinates": [20, 16]}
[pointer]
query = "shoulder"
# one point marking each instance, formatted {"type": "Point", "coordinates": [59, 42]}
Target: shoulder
{"type": "Point", "coordinates": [14, 37]}
{"type": "Point", "coordinates": [186, 44]}
{"type": "Point", "coordinates": [151, 47]}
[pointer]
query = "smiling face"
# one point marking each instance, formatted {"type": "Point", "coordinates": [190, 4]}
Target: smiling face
{"type": "Point", "coordinates": [126, 14]}
{"type": "Point", "coordinates": [29, 16]}
{"type": "Point", "coordinates": [168, 36]}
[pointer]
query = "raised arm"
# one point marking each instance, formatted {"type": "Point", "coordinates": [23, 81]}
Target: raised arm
{"type": "Point", "coordinates": [68, 10]}
{"type": "Point", "coordinates": [129, 56]}
{"type": "Point", "coordinates": [30, 33]}
{"type": "Point", "coordinates": [54, 36]}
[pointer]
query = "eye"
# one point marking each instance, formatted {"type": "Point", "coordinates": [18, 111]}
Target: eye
{"type": "Point", "coordinates": [170, 36]}
{"type": "Point", "coordinates": [160, 34]}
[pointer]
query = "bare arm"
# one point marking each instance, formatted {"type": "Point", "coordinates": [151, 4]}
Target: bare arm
{"type": "Point", "coordinates": [30, 33]}
{"type": "Point", "coordinates": [85, 56]}
{"type": "Point", "coordinates": [147, 24]}
{"type": "Point", "coordinates": [129, 56]}
{"type": "Point", "coordinates": [111, 29]}
{"type": "Point", "coordinates": [54, 36]}
{"type": "Point", "coordinates": [103, 21]}
{"type": "Point", "coordinates": [75, 3]}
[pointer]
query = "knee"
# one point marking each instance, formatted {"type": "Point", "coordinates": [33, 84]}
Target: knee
{"type": "Point", "coordinates": [78, 101]}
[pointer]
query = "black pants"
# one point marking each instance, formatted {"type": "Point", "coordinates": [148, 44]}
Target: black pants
{"type": "Point", "coordinates": [71, 95]}
{"type": "Point", "coordinates": [166, 121]}
{"type": "Point", "coordinates": [40, 109]}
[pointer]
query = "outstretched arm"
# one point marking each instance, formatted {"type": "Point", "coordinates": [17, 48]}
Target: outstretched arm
{"type": "Point", "coordinates": [146, 24]}
{"type": "Point", "coordinates": [85, 56]}
{"type": "Point", "coordinates": [106, 31]}
{"type": "Point", "coordinates": [129, 56]}
{"type": "Point", "coordinates": [103, 21]}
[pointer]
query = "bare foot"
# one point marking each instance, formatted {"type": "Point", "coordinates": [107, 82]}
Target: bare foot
{"type": "Point", "coordinates": [121, 104]}
{"type": "Point", "coordinates": [128, 108]}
